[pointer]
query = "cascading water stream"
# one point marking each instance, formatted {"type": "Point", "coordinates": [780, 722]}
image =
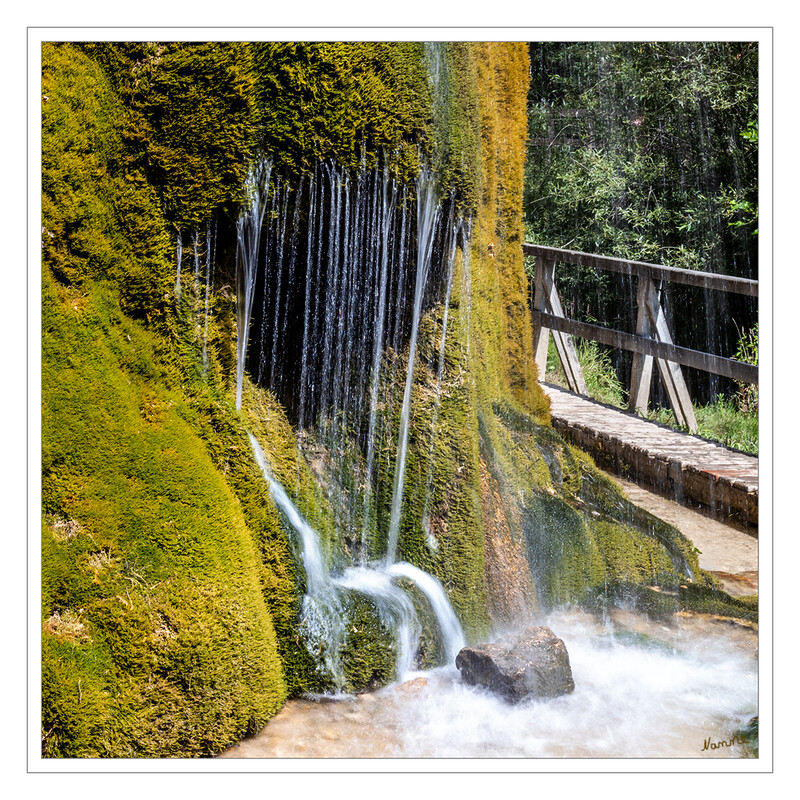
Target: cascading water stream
{"type": "Point", "coordinates": [395, 610]}
{"type": "Point", "coordinates": [324, 612]}
{"type": "Point", "coordinates": [449, 626]}
{"type": "Point", "coordinates": [248, 237]}
{"type": "Point", "coordinates": [322, 619]}
{"type": "Point", "coordinates": [427, 216]}
{"type": "Point", "coordinates": [310, 550]}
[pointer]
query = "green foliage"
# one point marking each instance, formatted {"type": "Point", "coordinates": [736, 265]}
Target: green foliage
{"type": "Point", "coordinates": [100, 217]}
{"type": "Point", "coordinates": [747, 351]}
{"type": "Point", "coordinates": [721, 421]}
{"type": "Point", "coordinates": [599, 374]}
{"type": "Point", "coordinates": [661, 602]}
{"type": "Point", "coordinates": [368, 653]}
{"type": "Point", "coordinates": [170, 592]}
{"type": "Point", "coordinates": [635, 149]}
{"type": "Point", "coordinates": [441, 515]}
{"type": "Point", "coordinates": [579, 530]}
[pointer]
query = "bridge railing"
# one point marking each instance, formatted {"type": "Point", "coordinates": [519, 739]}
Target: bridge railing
{"type": "Point", "coordinates": [652, 340]}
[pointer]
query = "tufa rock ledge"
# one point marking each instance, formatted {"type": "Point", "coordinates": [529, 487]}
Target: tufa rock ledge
{"type": "Point", "coordinates": [533, 663]}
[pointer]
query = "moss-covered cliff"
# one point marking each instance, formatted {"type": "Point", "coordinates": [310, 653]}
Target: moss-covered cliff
{"type": "Point", "coordinates": [172, 588]}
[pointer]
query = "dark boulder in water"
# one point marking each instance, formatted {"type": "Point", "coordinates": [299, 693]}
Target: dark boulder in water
{"type": "Point", "coordinates": [533, 663]}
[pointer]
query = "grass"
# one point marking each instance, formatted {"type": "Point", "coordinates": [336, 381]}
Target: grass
{"type": "Point", "coordinates": [721, 421]}
{"type": "Point", "coordinates": [732, 422]}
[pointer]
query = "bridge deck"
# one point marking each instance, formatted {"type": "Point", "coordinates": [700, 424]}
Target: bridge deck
{"type": "Point", "coordinates": [679, 465]}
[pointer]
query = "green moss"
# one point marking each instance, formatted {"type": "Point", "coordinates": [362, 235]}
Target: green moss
{"type": "Point", "coordinates": [368, 652]}
{"type": "Point", "coordinates": [142, 531]}
{"type": "Point", "coordinates": [100, 217]}
{"type": "Point", "coordinates": [344, 100]}
{"type": "Point", "coordinates": [670, 596]}
{"type": "Point", "coordinates": [580, 531]}
{"type": "Point", "coordinates": [191, 123]}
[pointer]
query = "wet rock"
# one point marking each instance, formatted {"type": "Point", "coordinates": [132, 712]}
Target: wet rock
{"type": "Point", "coordinates": [533, 663]}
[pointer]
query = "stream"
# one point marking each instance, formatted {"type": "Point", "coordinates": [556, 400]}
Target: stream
{"type": "Point", "coordinates": [642, 690]}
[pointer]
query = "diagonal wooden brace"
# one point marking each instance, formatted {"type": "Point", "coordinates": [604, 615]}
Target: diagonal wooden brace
{"type": "Point", "coordinates": [652, 323]}
{"type": "Point", "coordinates": [546, 299]}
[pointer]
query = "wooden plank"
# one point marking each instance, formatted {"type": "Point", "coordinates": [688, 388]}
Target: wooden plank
{"type": "Point", "coordinates": [671, 375]}
{"type": "Point", "coordinates": [727, 367]}
{"type": "Point", "coordinates": [563, 341]}
{"type": "Point", "coordinates": [688, 277]}
{"type": "Point", "coordinates": [642, 370]}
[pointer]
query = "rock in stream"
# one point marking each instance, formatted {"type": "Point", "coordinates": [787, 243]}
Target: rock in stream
{"type": "Point", "coordinates": [533, 663]}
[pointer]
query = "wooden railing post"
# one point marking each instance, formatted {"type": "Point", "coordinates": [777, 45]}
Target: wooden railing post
{"type": "Point", "coordinates": [541, 335]}
{"type": "Point", "coordinates": [651, 322]}
{"type": "Point", "coordinates": [642, 370]}
{"type": "Point", "coordinates": [546, 299]}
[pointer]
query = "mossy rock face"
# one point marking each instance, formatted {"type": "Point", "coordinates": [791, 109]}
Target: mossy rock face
{"type": "Point", "coordinates": [668, 597]}
{"type": "Point", "coordinates": [189, 122]}
{"type": "Point", "coordinates": [150, 572]}
{"type": "Point", "coordinates": [100, 216]}
{"type": "Point", "coordinates": [368, 653]}
{"type": "Point", "coordinates": [580, 533]}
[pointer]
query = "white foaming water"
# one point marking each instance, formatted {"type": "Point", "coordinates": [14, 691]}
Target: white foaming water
{"type": "Point", "coordinates": [652, 695]}
{"type": "Point", "coordinates": [642, 690]}
{"type": "Point", "coordinates": [449, 626]}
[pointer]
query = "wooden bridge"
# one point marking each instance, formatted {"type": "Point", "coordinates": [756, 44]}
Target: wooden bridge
{"type": "Point", "coordinates": [680, 465]}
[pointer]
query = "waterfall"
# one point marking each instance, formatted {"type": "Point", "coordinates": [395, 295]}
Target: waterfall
{"type": "Point", "coordinates": [427, 216]}
{"type": "Point", "coordinates": [334, 298]}
{"type": "Point", "coordinates": [248, 236]}
{"type": "Point", "coordinates": [439, 84]}
{"type": "Point", "coordinates": [179, 248]}
{"type": "Point", "coordinates": [310, 251]}
{"type": "Point", "coordinates": [452, 635]}
{"type": "Point", "coordinates": [322, 617]}
{"type": "Point", "coordinates": [324, 609]}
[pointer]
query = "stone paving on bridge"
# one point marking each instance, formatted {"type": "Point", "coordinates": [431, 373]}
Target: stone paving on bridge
{"type": "Point", "coordinates": [676, 464]}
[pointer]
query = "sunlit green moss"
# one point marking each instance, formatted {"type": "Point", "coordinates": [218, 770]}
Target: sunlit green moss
{"type": "Point", "coordinates": [147, 545]}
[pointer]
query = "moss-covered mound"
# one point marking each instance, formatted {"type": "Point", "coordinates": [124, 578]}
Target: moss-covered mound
{"type": "Point", "coordinates": [164, 563]}
{"type": "Point", "coordinates": [157, 639]}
